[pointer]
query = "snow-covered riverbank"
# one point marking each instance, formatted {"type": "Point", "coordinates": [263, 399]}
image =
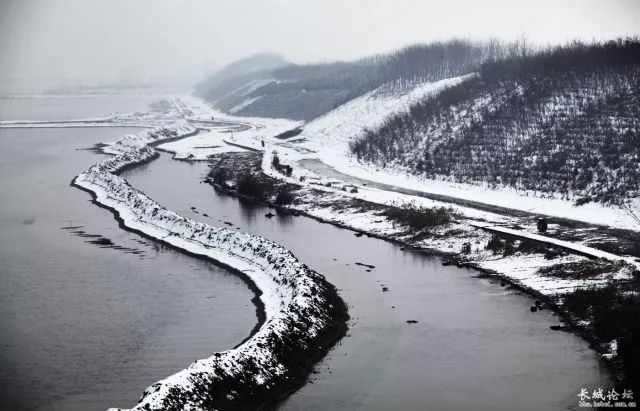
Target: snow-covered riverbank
{"type": "Point", "coordinates": [327, 194]}
{"type": "Point", "coordinates": [360, 203]}
{"type": "Point", "coordinates": [303, 313]}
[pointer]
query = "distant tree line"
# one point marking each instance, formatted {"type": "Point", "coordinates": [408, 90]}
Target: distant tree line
{"type": "Point", "coordinates": [575, 56]}
{"type": "Point", "coordinates": [310, 90]}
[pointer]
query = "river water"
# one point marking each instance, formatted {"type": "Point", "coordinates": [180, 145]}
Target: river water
{"type": "Point", "coordinates": [90, 314]}
{"type": "Point", "coordinates": [62, 108]}
{"type": "Point", "coordinates": [475, 345]}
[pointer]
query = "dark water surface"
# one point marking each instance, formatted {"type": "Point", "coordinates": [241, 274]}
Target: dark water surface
{"type": "Point", "coordinates": [475, 346]}
{"type": "Point", "coordinates": [51, 108]}
{"type": "Point", "coordinates": [90, 314]}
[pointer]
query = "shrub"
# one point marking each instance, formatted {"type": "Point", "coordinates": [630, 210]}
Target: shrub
{"type": "Point", "coordinates": [290, 133]}
{"type": "Point", "coordinates": [613, 314]}
{"type": "Point", "coordinates": [530, 247]}
{"type": "Point", "coordinates": [420, 217]}
{"type": "Point", "coordinates": [284, 197]}
{"type": "Point", "coordinates": [250, 186]}
{"type": "Point", "coordinates": [495, 244]}
{"type": "Point", "coordinates": [580, 270]}
{"type": "Point", "coordinates": [509, 249]}
{"type": "Point", "coordinates": [219, 177]}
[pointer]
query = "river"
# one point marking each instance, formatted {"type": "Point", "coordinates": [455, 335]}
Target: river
{"type": "Point", "coordinates": [92, 314]}
{"type": "Point", "coordinates": [60, 108]}
{"type": "Point", "coordinates": [475, 345]}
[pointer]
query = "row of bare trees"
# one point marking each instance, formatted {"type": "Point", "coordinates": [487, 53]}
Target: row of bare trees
{"type": "Point", "coordinates": [307, 91]}
{"type": "Point", "coordinates": [568, 125]}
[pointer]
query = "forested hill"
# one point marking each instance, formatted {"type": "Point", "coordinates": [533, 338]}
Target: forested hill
{"type": "Point", "coordinates": [563, 121]}
{"type": "Point", "coordinates": [304, 92]}
{"type": "Point", "coordinates": [245, 67]}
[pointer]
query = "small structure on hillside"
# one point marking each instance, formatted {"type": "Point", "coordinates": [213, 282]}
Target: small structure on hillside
{"type": "Point", "coordinates": [542, 224]}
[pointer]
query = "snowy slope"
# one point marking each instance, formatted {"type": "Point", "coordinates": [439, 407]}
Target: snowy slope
{"type": "Point", "coordinates": [328, 137]}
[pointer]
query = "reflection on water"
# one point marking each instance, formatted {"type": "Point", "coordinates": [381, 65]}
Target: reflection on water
{"type": "Point", "coordinates": [421, 335]}
{"type": "Point", "coordinates": [249, 211]}
{"type": "Point", "coordinates": [91, 314]}
{"type": "Point", "coordinates": [285, 218]}
{"type": "Point", "coordinates": [103, 242]}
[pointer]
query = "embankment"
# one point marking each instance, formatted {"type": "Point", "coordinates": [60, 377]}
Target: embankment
{"type": "Point", "coordinates": [303, 314]}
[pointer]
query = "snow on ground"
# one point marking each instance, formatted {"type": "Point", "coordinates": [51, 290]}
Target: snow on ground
{"type": "Point", "coordinates": [223, 132]}
{"type": "Point", "coordinates": [521, 268]}
{"type": "Point", "coordinates": [593, 213]}
{"type": "Point", "coordinates": [579, 248]}
{"type": "Point", "coordinates": [327, 138]}
{"type": "Point", "coordinates": [245, 89]}
{"type": "Point", "coordinates": [524, 270]}
{"type": "Point", "coordinates": [201, 146]}
{"type": "Point", "coordinates": [248, 135]}
{"type": "Point", "coordinates": [297, 301]}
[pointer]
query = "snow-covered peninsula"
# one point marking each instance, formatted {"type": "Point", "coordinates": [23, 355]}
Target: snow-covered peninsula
{"type": "Point", "coordinates": [303, 315]}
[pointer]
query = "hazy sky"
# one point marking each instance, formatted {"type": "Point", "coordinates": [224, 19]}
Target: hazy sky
{"type": "Point", "coordinates": [64, 40]}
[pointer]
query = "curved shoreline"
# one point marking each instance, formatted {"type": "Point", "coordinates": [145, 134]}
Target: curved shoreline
{"type": "Point", "coordinates": [260, 314]}
{"type": "Point", "coordinates": [303, 314]}
{"type": "Point", "coordinates": [564, 316]}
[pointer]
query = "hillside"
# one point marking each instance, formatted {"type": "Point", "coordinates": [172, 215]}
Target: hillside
{"type": "Point", "coordinates": [242, 67]}
{"type": "Point", "coordinates": [304, 92]}
{"type": "Point", "coordinates": [563, 122]}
